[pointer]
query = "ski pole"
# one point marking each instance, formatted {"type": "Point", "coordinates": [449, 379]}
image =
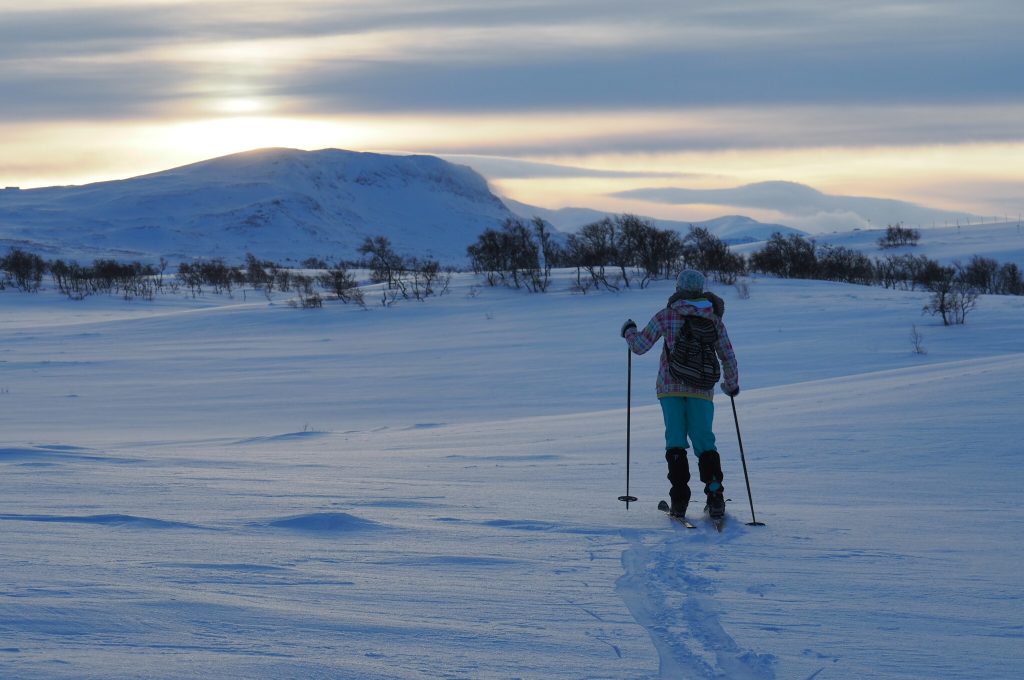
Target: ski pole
{"type": "Point", "coordinates": [627, 499]}
{"type": "Point", "coordinates": [743, 457]}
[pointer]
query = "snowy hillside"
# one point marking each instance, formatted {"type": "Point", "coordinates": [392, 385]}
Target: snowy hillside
{"type": "Point", "coordinates": [287, 205]}
{"type": "Point", "coordinates": [741, 229]}
{"type": "Point", "coordinates": [281, 204]}
{"type": "Point", "coordinates": [228, 488]}
{"type": "Point", "coordinates": [1003, 242]}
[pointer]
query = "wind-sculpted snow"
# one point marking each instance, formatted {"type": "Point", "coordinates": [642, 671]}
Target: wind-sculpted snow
{"type": "Point", "coordinates": [53, 455]}
{"type": "Point", "coordinates": [280, 438]}
{"type": "Point", "coordinates": [115, 520]}
{"type": "Point", "coordinates": [429, 491]}
{"type": "Point", "coordinates": [324, 522]}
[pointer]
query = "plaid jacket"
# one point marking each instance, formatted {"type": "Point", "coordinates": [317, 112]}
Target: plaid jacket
{"type": "Point", "coordinates": [666, 324]}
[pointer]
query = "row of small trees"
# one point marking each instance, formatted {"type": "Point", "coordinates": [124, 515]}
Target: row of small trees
{"type": "Point", "coordinates": [130, 280]}
{"type": "Point", "coordinates": [897, 235]}
{"type": "Point", "coordinates": [794, 256]}
{"type": "Point", "coordinates": [618, 252]}
{"type": "Point", "coordinates": [517, 255]}
{"type": "Point", "coordinates": [625, 250]}
{"type": "Point", "coordinates": [612, 253]}
{"type": "Point", "coordinates": [955, 288]}
{"type": "Point", "coordinates": [404, 278]}
{"type": "Point", "coordinates": [268, 276]}
{"type": "Point", "coordinates": [22, 270]}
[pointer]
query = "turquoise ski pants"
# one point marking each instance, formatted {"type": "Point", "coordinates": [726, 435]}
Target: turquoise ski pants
{"type": "Point", "coordinates": [688, 417]}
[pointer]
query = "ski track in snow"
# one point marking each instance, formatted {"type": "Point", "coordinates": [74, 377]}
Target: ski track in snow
{"type": "Point", "coordinates": [664, 592]}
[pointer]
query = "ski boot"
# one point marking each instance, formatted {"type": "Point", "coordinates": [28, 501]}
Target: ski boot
{"type": "Point", "coordinates": [716, 505]}
{"type": "Point", "coordinates": [679, 475]}
{"type": "Point", "coordinates": [710, 465]}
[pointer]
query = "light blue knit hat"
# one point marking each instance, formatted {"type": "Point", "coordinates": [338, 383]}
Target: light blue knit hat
{"type": "Point", "coordinates": [690, 281]}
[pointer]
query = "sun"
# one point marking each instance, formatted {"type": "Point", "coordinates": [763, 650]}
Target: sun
{"type": "Point", "coordinates": [241, 106]}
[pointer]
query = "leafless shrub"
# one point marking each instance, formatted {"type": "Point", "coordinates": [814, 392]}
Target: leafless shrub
{"type": "Point", "coordinates": [917, 340]}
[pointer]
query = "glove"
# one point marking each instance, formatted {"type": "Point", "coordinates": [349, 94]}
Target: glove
{"type": "Point", "coordinates": [626, 326]}
{"type": "Point", "coordinates": [731, 391]}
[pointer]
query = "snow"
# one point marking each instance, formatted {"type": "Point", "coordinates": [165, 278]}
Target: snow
{"type": "Point", "coordinates": [288, 205]}
{"type": "Point", "coordinates": [1001, 241]}
{"type": "Point", "coordinates": [283, 204]}
{"type": "Point", "coordinates": [229, 487]}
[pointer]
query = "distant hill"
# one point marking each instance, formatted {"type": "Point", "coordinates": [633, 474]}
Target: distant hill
{"type": "Point", "coordinates": [808, 204]}
{"type": "Point", "coordinates": [287, 205]}
{"type": "Point", "coordinates": [732, 229]}
{"type": "Point", "coordinates": [282, 204]}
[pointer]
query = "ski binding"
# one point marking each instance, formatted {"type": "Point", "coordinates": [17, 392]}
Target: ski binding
{"type": "Point", "coordinates": [664, 507]}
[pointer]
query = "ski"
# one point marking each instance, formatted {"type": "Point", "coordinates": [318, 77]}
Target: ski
{"type": "Point", "coordinates": [718, 522]}
{"type": "Point", "coordinates": [664, 507]}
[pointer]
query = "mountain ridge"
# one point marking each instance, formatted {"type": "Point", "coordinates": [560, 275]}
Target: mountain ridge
{"type": "Point", "coordinates": [288, 205]}
{"type": "Point", "coordinates": [278, 203]}
{"type": "Point", "coordinates": [804, 203]}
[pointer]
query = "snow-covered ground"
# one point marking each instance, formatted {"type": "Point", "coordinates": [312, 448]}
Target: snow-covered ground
{"type": "Point", "coordinates": [235, 488]}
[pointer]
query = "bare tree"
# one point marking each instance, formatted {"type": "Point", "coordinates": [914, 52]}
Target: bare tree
{"type": "Point", "coordinates": [917, 340]}
{"type": "Point", "coordinates": [952, 299]}
{"type": "Point", "coordinates": [897, 235]}
{"type": "Point", "coordinates": [340, 282]}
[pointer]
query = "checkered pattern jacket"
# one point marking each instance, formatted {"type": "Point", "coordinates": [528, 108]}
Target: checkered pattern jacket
{"type": "Point", "coordinates": [666, 324]}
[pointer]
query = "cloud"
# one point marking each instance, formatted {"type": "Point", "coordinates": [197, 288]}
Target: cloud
{"type": "Point", "coordinates": [657, 78]}
{"type": "Point", "coordinates": [325, 58]}
{"type": "Point", "coordinates": [704, 83]}
{"type": "Point", "coordinates": [995, 198]}
{"type": "Point", "coordinates": [53, 35]}
{"type": "Point", "coordinates": [494, 167]}
{"type": "Point", "coordinates": [802, 205]}
{"type": "Point", "coordinates": [660, 131]}
{"type": "Point", "coordinates": [69, 92]}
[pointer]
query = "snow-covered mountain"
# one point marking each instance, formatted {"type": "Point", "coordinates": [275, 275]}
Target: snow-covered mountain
{"type": "Point", "coordinates": [807, 204]}
{"type": "Point", "coordinates": [729, 228]}
{"type": "Point", "coordinates": [287, 205]}
{"type": "Point", "coordinates": [283, 204]}
{"type": "Point", "coordinates": [741, 229]}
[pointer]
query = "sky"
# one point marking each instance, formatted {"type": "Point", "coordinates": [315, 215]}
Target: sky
{"type": "Point", "coordinates": [668, 108]}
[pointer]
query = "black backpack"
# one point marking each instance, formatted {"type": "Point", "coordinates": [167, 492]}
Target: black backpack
{"type": "Point", "coordinates": [693, 360]}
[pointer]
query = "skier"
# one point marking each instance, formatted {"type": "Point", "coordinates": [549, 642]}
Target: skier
{"type": "Point", "coordinates": [688, 411]}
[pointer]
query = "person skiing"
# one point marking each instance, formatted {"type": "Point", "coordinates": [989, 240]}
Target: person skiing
{"type": "Point", "coordinates": [688, 410]}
